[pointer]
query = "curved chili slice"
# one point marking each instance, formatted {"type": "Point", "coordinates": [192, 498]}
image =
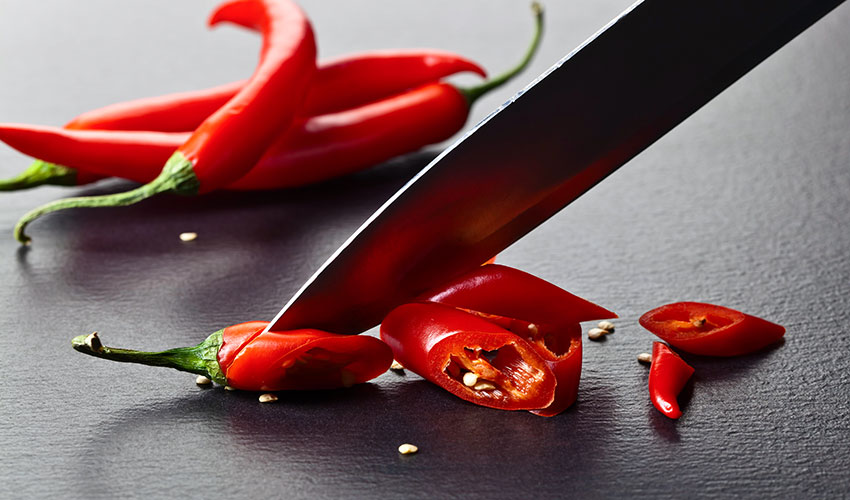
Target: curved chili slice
{"type": "Point", "coordinates": [468, 356]}
{"type": "Point", "coordinates": [667, 376]}
{"type": "Point", "coordinates": [540, 312]}
{"type": "Point", "coordinates": [710, 330]}
{"type": "Point", "coordinates": [244, 357]}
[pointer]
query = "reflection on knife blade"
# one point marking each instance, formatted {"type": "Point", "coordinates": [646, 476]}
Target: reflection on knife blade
{"type": "Point", "coordinates": [598, 107]}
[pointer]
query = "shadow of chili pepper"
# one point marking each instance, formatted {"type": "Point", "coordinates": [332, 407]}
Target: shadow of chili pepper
{"type": "Point", "coordinates": [712, 368]}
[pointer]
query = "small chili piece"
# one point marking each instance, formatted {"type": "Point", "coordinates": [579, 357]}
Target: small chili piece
{"type": "Point", "coordinates": [710, 330]}
{"type": "Point", "coordinates": [243, 357]}
{"type": "Point", "coordinates": [231, 140]}
{"type": "Point", "coordinates": [668, 375]}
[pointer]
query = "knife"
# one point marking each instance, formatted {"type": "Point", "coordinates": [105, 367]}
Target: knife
{"type": "Point", "coordinates": [630, 83]}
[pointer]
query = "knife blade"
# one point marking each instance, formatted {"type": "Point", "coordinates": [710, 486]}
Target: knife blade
{"type": "Point", "coordinates": [626, 86]}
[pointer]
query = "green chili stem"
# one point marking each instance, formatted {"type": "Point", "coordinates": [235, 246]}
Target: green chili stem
{"type": "Point", "coordinates": [177, 176]}
{"type": "Point", "coordinates": [201, 359]}
{"type": "Point", "coordinates": [473, 93]}
{"type": "Point", "coordinates": [40, 173]}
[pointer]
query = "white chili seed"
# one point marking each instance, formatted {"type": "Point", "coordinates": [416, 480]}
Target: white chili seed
{"type": "Point", "coordinates": [484, 386]}
{"type": "Point", "coordinates": [268, 398]}
{"type": "Point", "coordinates": [607, 326]}
{"type": "Point", "coordinates": [188, 236]}
{"type": "Point", "coordinates": [596, 333]}
{"type": "Point", "coordinates": [228, 388]}
{"type": "Point", "coordinates": [532, 328]}
{"type": "Point", "coordinates": [470, 379]}
{"type": "Point", "coordinates": [396, 366]}
{"type": "Point", "coordinates": [408, 449]}
{"type": "Point", "coordinates": [202, 380]}
{"type": "Point", "coordinates": [644, 357]}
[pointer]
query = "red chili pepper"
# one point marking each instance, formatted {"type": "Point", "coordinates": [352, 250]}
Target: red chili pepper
{"type": "Point", "coordinates": [668, 374]}
{"type": "Point", "coordinates": [710, 330]}
{"type": "Point", "coordinates": [343, 83]}
{"type": "Point", "coordinates": [316, 149]}
{"type": "Point", "coordinates": [543, 316]}
{"type": "Point", "coordinates": [338, 85]}
{"type": "Point", "coordinates": [444, 344]}
{"type": "Point", "coordinates": [231, 140]}
{"type": "Point", "coordinates": [242, 357]}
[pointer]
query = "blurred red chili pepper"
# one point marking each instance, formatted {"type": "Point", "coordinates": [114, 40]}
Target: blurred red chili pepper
{"type": "Point", "coordinates": [231, 140]}
{"type": "Point", "coordinates": [313, 150]}
{"type": "Point", "coordinates": [339, 84]}
{"type": "Point", "coordinates": [242, 357]}
{"type": "Point", "coordinates": [710, 330]}
{"type": "Point", "coordinates": [668, 375]}
{"type": "Point", "coordinates": [543, 316]}
{"type": "Point", "coordinates": [342, 84]}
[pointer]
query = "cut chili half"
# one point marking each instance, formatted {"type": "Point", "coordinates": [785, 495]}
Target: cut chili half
{"type": "Point", "coordinates": [540, 312]}
{"type": "Point", "coordinates": [710, 330]}
{"type": "Point", "coordinates": [244, 357]}
{"type": "Point", "coordinates": [468, 356]}
{"type": "Point", "coordinates": [668, 375]}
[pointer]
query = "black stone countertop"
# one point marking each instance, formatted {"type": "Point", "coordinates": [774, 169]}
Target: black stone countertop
{"type": "Point", "coordinates": [744, 204]}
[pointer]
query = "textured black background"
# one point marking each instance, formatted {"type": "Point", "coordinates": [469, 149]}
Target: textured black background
{"type": "Point", "coordinates": [744, 204]}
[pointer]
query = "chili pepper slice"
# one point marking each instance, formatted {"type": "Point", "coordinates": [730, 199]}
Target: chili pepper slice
{"type": "Point", "coordinates": [231, 140]}
{"type": "Point", "coordinates": [668, 374]}
{"type": "Point", "coordinates": [444, 345]}
{"type": "Point", "coordinates": [710, 330]}
{"type": "Point", "coordinates": [243, 357]}
{"type": "Point", "coordinates": [316, 149]}
{"type": "Point", "coordinates": [540, 312]}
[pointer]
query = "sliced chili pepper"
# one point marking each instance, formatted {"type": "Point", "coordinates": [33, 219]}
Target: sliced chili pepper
{"type": "Point", "coordinates": [316, 149]}
{"type": "Point", "coordinates": [444, 345]}
{"type": "Point", "coordinates": [341, 84]}
{"type": "Point", "coordinates": [243, 357]}
{"type": "Point", "coordinates": [544, 314]}
{"type": "Point", "coordinates": [231, 140]}
{"type": "Point", "coordinates": [668, 375]}
{"type": "Point", "coordinates": [710, 330]}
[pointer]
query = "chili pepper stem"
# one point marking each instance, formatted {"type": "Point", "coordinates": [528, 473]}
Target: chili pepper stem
{"type": "Point", "coordinates": [177, 176]}
{"type": "Point", "coordinates": [40, 173]}
{"type": "Point", "coordinates": [201, 359]}
{"type": "Point", "coordinates": [473, 93]}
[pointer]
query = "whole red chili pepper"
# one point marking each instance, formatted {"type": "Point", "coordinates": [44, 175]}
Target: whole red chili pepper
{"type": "Point", "coordinates": [231, 140]}
{"type": "Point", "coordinates": [242, 357]}
{"type": "Point", "coordinates": [668, 375]}
{"type": "Point", "coordinates": [710, 330]}
{"type": "Point", "coordinates": [543, 316]}
{"type": "Point", "coordinates": [314, 149]}
{"type": "Point", "coordinates": [338, 85]}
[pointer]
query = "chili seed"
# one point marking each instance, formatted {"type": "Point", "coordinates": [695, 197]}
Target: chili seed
{"type": "Point", "coordinates": [396, 366]}
{"type": "Point", "coordinates": [188, 236]}
{"type": "Point", "coordinates": [268, 398]}
{"type": "Point", "coordinates": [596, 333]}
{"type": "Point", "coordinates": [228, 388]}
{"type": "Point", "coordinates": [644, 357]}
{"type": "Point", "coordinates": [607, 326]}
{"type": "Point", "coordinates": [698, 322]}
{"type": "Point", "coordinates": [484, 386]}
{"type": "Point", "coordinates": [470, 379]}
{"type": "Point", "coordinates": [202, 380]}
{"type": "Point", "coordinates": [408, 449]}
{"type": "Point", "coordinates": [532, 328]}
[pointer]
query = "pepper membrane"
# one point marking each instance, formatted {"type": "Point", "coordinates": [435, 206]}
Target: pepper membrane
{"type": "Point", "coordinates": [243, 357]}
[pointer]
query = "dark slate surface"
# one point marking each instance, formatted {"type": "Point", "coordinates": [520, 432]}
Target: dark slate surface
{"type": "Point", "coordinates": [745, 204]}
